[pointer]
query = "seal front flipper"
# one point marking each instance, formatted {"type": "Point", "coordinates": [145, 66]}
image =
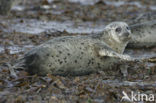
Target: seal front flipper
{"type": "Point", "coordinates": [104, 50]}
{"type": "Point", "coordinates": [116, 55]}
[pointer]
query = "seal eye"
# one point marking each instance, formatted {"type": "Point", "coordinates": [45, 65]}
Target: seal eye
{"type": "Point", "coordinates": [128, 28]}
{"type": "Point", "coordinates": [118, 29]}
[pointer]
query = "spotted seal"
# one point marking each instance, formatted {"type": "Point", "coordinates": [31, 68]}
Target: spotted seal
{"type": "Point", "coordinates": [143, 18]}
{"type": "Point", "coordinates": [79, 55]}
{"type": "Point", "coordinates": [143, 31]}
{"type": "Point", "coordinates": [6, 5]}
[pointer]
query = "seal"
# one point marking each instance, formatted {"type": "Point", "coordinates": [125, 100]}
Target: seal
{"type": "Point", "coordinates": [143, 31]}
{"type": "Point", "coordinates": [6, 5]}
{"type": "Point", "coordinates": [143, 35]}
{"type": "Point", "coordinates": [143, 18]}
{"type": "Point", "coordinates": [79, 55]}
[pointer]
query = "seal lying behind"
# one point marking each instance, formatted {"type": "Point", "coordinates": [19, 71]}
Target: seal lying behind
{"type": "Point", "coordinates": [143, 35]}
{"type": "Point", "coordinates": [6, 5]}
{"type": "Point", "coordinates": [143, 18]}
{"type": "Point", "coordinates": [80, 55]}
{"type": "Point", "coordinates": [143, 31]}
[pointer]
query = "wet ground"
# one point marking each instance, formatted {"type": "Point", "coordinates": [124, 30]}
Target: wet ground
{"type": "Point", "coordinates": [33, 22]}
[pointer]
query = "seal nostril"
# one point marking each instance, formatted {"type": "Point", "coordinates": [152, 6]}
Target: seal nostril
{"type": "Point", "coordinates": [126, 34]}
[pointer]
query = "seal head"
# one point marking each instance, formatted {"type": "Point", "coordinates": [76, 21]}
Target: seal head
{"type": "Point", "coordinates": [119, 31]}
{"type": "Point", "coordinates": [117, 35]}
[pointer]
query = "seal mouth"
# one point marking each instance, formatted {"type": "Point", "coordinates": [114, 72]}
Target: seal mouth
{"type": "Point", "coordinates": [126, 36]}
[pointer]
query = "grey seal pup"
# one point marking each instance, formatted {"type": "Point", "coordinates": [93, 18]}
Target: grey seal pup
{"type": "Point", "coordinates": [79, 55]}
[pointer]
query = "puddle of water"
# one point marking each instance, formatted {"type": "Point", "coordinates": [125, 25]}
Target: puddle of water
{"type": "Point", "coordinates": [153, 7]}
{"type": "Point", "coordinates": [113, 3]}
{"type": "Point", "coordinates": [16, 49]}
{"type": "Point", "coordinates": [37, 27]}
{"type": "Point", "coordinates": [56, 12]}
{"type": "Point", "coordinates": [18, 8]}
{"type": "Point", "coordinates": [45, 7]}
{"type": "Point", "coordinates": [120, 3]}
{"type": "Point", "coordinates": [85, 2]}
{"type": "Point", "coordinates": [1, 49]}
{"type": "Point", "coordinates": [136, 4]}
{"type": "Point", "coordinates": [50, 1]}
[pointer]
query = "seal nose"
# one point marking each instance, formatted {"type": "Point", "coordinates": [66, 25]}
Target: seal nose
{"type": "Point", "coordinates": [127, 34]}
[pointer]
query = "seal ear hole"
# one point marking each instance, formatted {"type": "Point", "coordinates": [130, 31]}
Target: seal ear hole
{"type": "Point", "coordinates": [118, 29]}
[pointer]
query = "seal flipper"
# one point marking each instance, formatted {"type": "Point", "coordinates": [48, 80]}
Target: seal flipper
{"type": "Point", "coordinates": [104, 50]}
